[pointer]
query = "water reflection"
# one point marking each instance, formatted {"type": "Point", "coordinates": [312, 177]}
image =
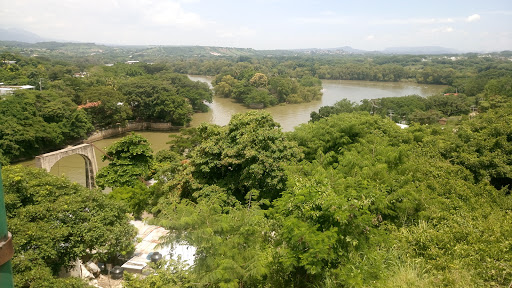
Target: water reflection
{"type": "Point", "coordinates": [289, 116]}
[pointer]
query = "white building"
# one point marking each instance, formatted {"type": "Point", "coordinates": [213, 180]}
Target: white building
{"type": "Point", "coordinates": [10, 89]}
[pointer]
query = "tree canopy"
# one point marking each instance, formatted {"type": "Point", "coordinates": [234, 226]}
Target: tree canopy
{"type": "Point", "coordinates": [130, 162]}
{"type": "Point", "coordinates": [369, 205]}
{"type": "Point", "coordinates": [55, 222]}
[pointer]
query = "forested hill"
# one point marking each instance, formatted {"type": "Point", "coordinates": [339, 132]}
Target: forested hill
{"type": "Point", "coordinates": [152, 53]}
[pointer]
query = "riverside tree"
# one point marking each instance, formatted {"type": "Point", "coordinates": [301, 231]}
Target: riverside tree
{"type": "Point", "coordinates": [55, 222]}
{"type": "Point", "coordinates": [130, 162]}
{"type": "Point", "coordinates": [245, 157]}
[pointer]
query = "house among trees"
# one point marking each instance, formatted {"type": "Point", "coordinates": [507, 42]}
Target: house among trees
{"type": "Point", "coordinates": [81, 74]}
{"type": "Point", "coordinates": [89, 105]}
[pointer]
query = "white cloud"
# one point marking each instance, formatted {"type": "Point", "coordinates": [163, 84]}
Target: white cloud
{"type": "Point", "coordinates": [474, 17]}
{"type": "Point", "coordinates": [108, 21]}
{"type": "Point", "coordinates": [409, 21]}
{"type": "Point", "coordinates": [442, 30]}
{"type": "Point", "coordinates": [320, 20]}
{"type": "Point", "coordinates": [171, 14]}
{"type": "Point", "coordinates": [370, 37]}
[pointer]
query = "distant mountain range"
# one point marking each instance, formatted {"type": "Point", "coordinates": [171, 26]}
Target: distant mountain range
{"type": "Point", "coordinates": [19, 35]}
{"type": "Point", "coordinates": [338, 50]}
{"type": "Point", "coordinates": [425, 50]}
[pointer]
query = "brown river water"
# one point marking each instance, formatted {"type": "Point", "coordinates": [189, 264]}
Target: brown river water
{"type": "Point", "coordinates": [289, 116]}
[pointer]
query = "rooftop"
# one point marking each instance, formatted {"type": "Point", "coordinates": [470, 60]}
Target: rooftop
{"type": "Point", "coordinates": [151, 236]}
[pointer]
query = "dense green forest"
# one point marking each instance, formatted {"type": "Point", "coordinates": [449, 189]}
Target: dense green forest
{"type": "Point", "coordinates": [71, 75]}
{"type": "Point", "coordinates": [67, 105]}
{"type": "Point", "coordinates": [351, 200]}
{"type": "Point", "coordinates": [347, 200]}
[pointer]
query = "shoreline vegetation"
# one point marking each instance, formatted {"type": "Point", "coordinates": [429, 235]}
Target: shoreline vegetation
{"type": "Point", "coordinates": [348, 199]}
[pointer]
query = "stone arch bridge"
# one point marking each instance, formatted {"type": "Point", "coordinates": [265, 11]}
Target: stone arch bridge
{"type": "Point", "coordinates": [46, 161]}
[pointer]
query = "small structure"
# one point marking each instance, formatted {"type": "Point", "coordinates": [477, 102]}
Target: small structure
{"type": "Point", "coordinates": [81, 74]}
{"type": "Point", "coordinates": [150, 236]}
{"type": "Point", "coordinates": [474, 112]}
{"type": "Point", "coordinates": [443, 121]}
{"type": "Point", "coordinates": [10, 89]}
{"type": "Point", "coordinates": [89, 105]}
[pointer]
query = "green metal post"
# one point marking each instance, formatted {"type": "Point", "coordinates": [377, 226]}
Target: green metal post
{"type": "Point", "coordinates": [6, 248]}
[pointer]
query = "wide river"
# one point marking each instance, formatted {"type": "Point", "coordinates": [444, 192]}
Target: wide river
{"type": "Point", "coordinates": [289, 116]}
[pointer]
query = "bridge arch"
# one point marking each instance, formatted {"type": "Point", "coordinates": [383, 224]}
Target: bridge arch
{"type": "Point", "coordinates": [46, 161]}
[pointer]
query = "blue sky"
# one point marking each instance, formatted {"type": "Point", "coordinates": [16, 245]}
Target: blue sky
{"type": "Point", "coordinates": [269, 24]}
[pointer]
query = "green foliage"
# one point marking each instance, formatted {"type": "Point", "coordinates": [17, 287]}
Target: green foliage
{"type": "Point", "coordinates": [152, 100]}
{"type": "Point", "coordinates": [412, 108]}
{"type": "Point", "coordinates": [26, 276]}
{"type": "Point", "coordinates": [339, 131]}
{"type": "Point", "coordinates": [245, 158]}
{"type": "Point", "coordinates": [196, 92]}
{"type": "Point", "coordinates": [135, 198]}
{"type": "Point", "coordinates": [171, 275]}
{"type": "Point", "coordinates": [342, 106]}
{"type": "Point", "coordinates": [185, 141]}
{"type": "Point", "coordinates": [484, 146]}
{"type": "Point", "coordinates": [232, 245]}
{"type": "Point", "coordinates": [247, 154]}
{"type": "Point", "coordinates": [41, 121]}
{"type": "Point", "coordinates": [130, 162]}
{"type": "Point", "coordinates": [449, 105]}
{"type": "Point", "coordinates": [322, 224]}
{"type": "Point", "coordinates": [425, 117]}
{"type": "Point", "coordinates": [372, 205]}
{"type": "Point", "coordinates": [54, 222]}
{"type": "Point", "coordinates": [111, 111]}
{"type": "Point", "coordinates": [34, 122]}
{"type": "Point", "coordinates": [257, 90]}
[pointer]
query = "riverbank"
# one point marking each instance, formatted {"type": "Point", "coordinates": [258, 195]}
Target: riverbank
{"type": "Point", "coordinates": [221, 110]}
{"type": "Point", "coordinates": [131, 127]}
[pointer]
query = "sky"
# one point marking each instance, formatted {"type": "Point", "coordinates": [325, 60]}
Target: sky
{"type": "Point", "coordinates": [467, 25]}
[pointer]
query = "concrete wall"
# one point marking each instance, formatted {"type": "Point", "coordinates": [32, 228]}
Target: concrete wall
{"type": "Point", "coordinates": [132, 126]}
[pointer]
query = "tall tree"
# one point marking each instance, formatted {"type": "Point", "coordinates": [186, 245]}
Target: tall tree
{"type": "Point", "coordinates": [55, 222]}
{"type": "Point", "coordinates": [130, 161]}
{"type": "Point", "coordinates": [245, 157]}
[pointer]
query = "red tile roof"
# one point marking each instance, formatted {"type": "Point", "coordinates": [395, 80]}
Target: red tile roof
{"type": "Point", "coordinates": [89, 105]}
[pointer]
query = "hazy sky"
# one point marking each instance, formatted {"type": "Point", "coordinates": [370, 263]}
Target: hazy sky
{"type": "Point", "coordinates": [467, 25]}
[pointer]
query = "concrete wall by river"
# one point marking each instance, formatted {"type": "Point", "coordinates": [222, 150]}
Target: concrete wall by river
{"type": "Point", "coordinates": [132, 126]}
